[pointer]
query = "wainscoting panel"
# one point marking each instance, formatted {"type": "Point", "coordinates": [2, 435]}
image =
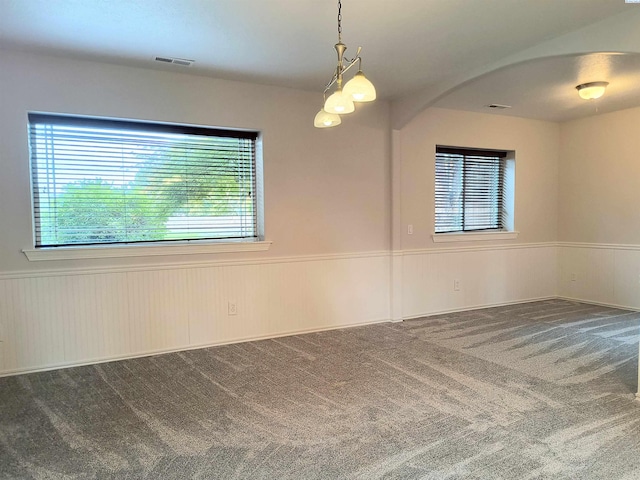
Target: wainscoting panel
{"type": "Point", "coordinates": [461, 278]}
{"type": "Point", "coordinates": [600, 273]}
{"type": "Point", "coordinates": [54, 319]}
{"type": "Point", "coordinates": [286, 297]}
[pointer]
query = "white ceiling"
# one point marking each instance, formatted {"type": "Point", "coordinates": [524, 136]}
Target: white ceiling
{"type": "Point", "coordinates": [545, 88]}
{"type": "Point", "coordinates": [408, 45]}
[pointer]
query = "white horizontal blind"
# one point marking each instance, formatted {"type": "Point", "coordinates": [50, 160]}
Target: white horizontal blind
{"type": "Point", "coordinates": [99, 181]}
{"type": "Point", "coordinates": [469, 187]}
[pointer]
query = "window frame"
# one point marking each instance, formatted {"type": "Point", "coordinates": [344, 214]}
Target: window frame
{"type": "Point", "coordinates": [184, 246]}
{"type": "Point", "coordinates": [506, 199]}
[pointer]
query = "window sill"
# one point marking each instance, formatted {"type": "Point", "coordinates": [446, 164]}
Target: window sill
{"type": "Point", "coordinates": [75, 253]}
{"type": "Point", "coordinates": [473, 236]}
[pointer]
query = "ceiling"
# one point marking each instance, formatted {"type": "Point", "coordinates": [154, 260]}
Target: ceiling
{"type": "Point", "coordinates": [408, 45]}
{"type": "Point", "coordinates": [545, 88]}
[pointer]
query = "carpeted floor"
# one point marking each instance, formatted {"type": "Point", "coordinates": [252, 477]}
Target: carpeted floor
{"type": "Point", "coordinates": [542, 390]}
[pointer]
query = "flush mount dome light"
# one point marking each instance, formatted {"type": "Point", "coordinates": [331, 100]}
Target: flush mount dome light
{"type": "Point", "coordinates": [592, 90]}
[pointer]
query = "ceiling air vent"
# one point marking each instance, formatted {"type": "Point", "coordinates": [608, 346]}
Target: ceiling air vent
{"type": "Point", "coordinates": [176, 61]}
{"type": "Point", "coordinates": [497, 106]}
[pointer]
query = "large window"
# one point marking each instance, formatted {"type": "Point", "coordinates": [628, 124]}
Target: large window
{"type": "Point", "coordinates": [471, 191]}
{"type": "Point", "coordinates": [98, 181]}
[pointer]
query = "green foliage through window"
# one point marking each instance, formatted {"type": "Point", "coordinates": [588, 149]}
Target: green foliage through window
{"type": "Point", "coordinates": [107, 181]}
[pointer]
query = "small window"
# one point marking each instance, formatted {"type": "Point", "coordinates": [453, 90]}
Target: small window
{"type": "Point", "coordinates": [471, 190]}
{"type": "Point", "coordinates": [99, 181]}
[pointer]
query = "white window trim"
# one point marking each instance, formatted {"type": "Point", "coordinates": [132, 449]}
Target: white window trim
{"type": "Point", "coordinates": [180, 246]}
{"type": "Point", "coordinates": [148, 250]}
{"type": "Point", "coordinates": [473, 236]}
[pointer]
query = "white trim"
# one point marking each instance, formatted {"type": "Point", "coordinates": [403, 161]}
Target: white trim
{"type": "Point", "coordinates": [184, 265]}
{"type": "Point", "coordinates": [261, 261]}
{"type": "Point", "coordinates": [474, 248]}
{"type": "Point", "coordinates": [601, 304]}
{"type": "Point", "coordinates": [480, 307]}
{"type": "Point", "coordinates": [148, 353]}
{"type": "Point", "coordinates": [609, 246]}
{"type": "Point", "coordinates": [120, 251]}
{"type": "Point", "coordinates": [473, 236]}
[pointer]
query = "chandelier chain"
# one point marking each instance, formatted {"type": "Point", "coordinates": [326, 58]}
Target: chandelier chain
{"type": "Point", "coordinates": [339, 21]}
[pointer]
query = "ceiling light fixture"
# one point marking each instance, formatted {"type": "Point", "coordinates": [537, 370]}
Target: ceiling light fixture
{"type": "Point", "coordinates": [358, 89]}
{"type": "Point", "coordinates": [592, 90]}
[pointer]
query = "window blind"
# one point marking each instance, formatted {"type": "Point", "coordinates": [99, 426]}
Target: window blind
{"type": "Point", "coordinates": [469, 190]}
{"type": "Point", "coordinates": [98, 181]}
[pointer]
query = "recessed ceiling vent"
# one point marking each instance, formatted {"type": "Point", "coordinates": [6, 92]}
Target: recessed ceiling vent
{"type": "Point", "coordinates": [497, 106]}
{"type": "Point", "coordinates": [183, 62]}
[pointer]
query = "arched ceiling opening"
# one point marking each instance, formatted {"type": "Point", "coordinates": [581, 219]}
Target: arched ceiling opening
{"type": "Point", "coordinates": [540, 81]}
{"type": "Point", "coordinates": [544, 88]}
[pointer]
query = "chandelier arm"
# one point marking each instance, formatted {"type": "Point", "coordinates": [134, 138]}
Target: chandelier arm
{"type": "Point", "coordinates": [355, 57]}
{"type": "Point", "coordinates": [351, 63]}
{"type": "Point", "coordinates": [343, 70]}
{"type": "Point", "coordinates": [331, 83]}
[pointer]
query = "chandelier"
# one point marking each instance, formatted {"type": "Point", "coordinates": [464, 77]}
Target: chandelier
{"type": "Point", "coordinates": [358, 89]}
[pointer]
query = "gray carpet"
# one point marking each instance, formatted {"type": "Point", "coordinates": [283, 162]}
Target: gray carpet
{"type": "Point", "coordinates": [542, 390]}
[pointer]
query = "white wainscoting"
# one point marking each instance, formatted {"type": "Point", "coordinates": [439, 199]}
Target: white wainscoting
{"type": "Point", "coordinates": [487, 275]}
{"type": "Point", "coordinates": [608, 274]}
{"type": "Point", "coordinates": [54, 319]}
{"type": "Point", "coordinates": [51, 319]}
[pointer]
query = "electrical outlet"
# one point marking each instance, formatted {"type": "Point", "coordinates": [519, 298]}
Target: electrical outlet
{"type": "Point", "coordinates": [574, 277]}
{"type": "Point", "coordinates": [232, 308]}
{"type": "Point", "coordinates": [456, 285]}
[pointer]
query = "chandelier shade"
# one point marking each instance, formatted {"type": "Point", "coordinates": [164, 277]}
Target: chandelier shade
{"type": "Point", "coordinates": [339, 103]}
{"type": "Point", "coordinates": [325, 119]}
{"type": "Point", "coordinates": [360, 89]}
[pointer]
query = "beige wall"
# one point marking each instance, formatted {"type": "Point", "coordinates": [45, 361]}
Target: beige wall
{"type": "Point", "coordinates": [536, 145]}
{"type": "Point", "coordinates": [430, 277]}
{"type": "Point", "coordinates": [326, 191]}
{"type": "Point", "coordinates": [599, 195]}
{"type": "Point", "coordinates": [598, 210]}
{"type": "Point", "coordinates": [328, 211]}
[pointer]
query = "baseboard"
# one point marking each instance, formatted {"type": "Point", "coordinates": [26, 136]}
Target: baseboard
{"type": "Point", "coordinates": [480, 307]}
{"type": "Point", "coordinates": [117, 358]}
{"type": "Point", "coordinates": [601, 304]}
